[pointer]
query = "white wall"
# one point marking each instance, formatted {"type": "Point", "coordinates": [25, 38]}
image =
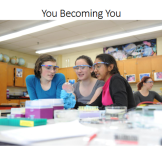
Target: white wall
{"type": "Point", "coordinates": [159, 46]}
{"type": "Point", "coordinates": [73, 56]}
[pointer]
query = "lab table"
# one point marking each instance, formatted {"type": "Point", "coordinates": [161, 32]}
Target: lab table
{"type": "Point", "coordinates": [72, 141]}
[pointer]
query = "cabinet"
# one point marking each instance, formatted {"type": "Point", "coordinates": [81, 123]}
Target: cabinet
{"type": "Point", "coordinates": [10, 75]}
{"type": "Point", "coordinates": [19, 76]}
{"type": "Point", "coordinates": [27, 71]}
{"type": "Point", "coordinates": [130, 67]}
{"type": "Point", "coordinates": [143, 66]}
{"type": "Point", "coordinates": [16, 75]}
{"type": "Point", "coordinates": [156, 63]}
{"type": "Point", "coordinates": [63, 71]}
{"type": "Point", "coordinates": [69, 73]}
{"type": "Point", "coordinates": [17, 101]}
{"type": "Point", "coordinates": [120, 65]}
{"type": "Point", "coordinates": [140, 65]}
{"type": "Point", "coordinates": [13, 101]}
{"type": "Point", "coordinates": [3, 82]}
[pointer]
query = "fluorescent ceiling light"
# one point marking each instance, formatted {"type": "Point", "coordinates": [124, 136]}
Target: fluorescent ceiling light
{"type": "Point", "coordinates": [34, 29]}
{"type": "Point", "coordinates": [108, 38]}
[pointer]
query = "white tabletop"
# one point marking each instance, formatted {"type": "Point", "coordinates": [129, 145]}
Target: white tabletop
{"type": "Point", "coordinates": [75, 141]}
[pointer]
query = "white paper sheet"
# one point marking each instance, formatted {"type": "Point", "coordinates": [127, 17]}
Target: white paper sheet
{"type": "Point", "coordinates": [50, 132]}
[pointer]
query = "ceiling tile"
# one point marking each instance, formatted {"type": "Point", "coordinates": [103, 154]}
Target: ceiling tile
{"type": "Point", "coordinates": [41, 46]}
{"type": "Point", "coordinates": [73, 39]}
{"type": "Point", "coordinates": [10, 26]}
{"type": "Point", "coordinates": [57, 35]}
{"type": "Point", "coordinates": [2, 21]}
{"type": "Point", "coordinates": [10, 46]}
{"type": "Point", "coordinates": [22, 24]}
{"type": "Point", "coordinates": [103, 32]}
{"type": "Point", "coordinates": [46, 31]}
{"type": "Point", "coordinates": [77, 31]}
{"type": "Point", "coordinates": [17, 39]}
{"type": "Point", "coordinates": [120, 41]}
{"type": "Point", "coordinates": [149, 35]}
{"type": "Point", "coordinates": [123, 22]}
{"type": "Point", "coordinates": [70, 50]}
{"type": "Point", "coordinates": [60, 42]}
{"type": "Point", "coordinates": [3, 42]}
{"type": "Point", "coordinates": [28, 42]}
{"type": "Point", "coordinates": [25, 50]}
{"type": "Point", "coordinates": [76, 23]}
{"type": "Point", "coordinates": [93, 26]}
{"type": "Point", "coordinates": [141, 24]}
{"type": "Point", "coordinates": [89, 47]}
{"type": "Point", "coordinates": [5, 30]}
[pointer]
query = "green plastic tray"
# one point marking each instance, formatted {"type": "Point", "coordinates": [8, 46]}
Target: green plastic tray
{"type": "Point", "coordinates": [23, 122]}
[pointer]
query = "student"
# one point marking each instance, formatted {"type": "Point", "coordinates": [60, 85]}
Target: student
{"type": "Point", "coordinates": [116, 91]}
{"type": "Point", "coordinates": [144, 93]}
{"type": "Point", "coordinates": [88, 89]}
{"type": "Point", "coordinates": [45, 83]}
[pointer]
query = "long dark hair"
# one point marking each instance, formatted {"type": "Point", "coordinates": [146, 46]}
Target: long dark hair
{"type": "Point", "coordinates": [43, 58]}
{"type": "Point", "coordinates": [143, 80]}
{"type": "Point", "coordinates": [109, 59]}
{"type": "Point", "coordinates": [89, 62]}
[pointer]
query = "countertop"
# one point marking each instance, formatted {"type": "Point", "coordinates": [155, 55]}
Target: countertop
{"type": "Point", "coordinates": [18, 98]}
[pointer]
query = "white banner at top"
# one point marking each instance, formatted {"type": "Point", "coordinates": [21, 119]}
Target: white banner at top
{"type": "Point", "coordinates": [80, 10]}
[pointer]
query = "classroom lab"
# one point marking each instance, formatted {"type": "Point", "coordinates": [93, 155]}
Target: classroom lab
{"type": "Point", "coordinates": [80, 75]}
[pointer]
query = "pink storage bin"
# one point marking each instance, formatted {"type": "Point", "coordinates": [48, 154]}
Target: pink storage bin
{"type": "Point", "coordinates": [38, 109]}
{"type": "Point", "coordinates": [57, 104]}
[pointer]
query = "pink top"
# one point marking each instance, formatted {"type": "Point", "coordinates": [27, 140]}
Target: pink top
{"type": "Point", "coordinates": [106, 98]}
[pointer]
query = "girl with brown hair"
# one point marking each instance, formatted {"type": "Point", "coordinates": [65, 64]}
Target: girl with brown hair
{"type": "Point", "coordinates": [46, 83]}
{"type": "Point", "coordinates": [144, 93]}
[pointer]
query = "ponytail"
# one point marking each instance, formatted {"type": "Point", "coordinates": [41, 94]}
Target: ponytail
{"type": "Point", "coordinates": [143, 80]}
{"type": "Point", "coordinates": [139, 85]}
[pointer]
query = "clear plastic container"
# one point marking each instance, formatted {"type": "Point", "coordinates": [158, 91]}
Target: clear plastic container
{"type": "Point", "coordinates": [141, 119]}
{"type": "Point", "coordinates": [17, 110]}
{"type": "Point", "coordinates": [53, 102]}
{"type": "Point", "coordinates": [115, 112]}
{"type": "Point", "coordinates": [66, 115]}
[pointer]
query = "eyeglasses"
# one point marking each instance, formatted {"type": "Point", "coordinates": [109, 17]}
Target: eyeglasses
{"type": "Point", "coordinates": [81, 67]}
{"type": "Point", "coordinates": [98, 65]}
{"type": "Point", "coordinates": [150, 82]}
{"type": "Point", "coordinates": [50, 67]}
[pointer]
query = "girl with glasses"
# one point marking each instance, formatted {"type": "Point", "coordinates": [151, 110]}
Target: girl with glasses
{"type": "Point", "coordinates": [144, 93]}
{"type": "Point", "coordinates": [88, 89]}
{"type": "Point", "coordinates": [45, 83]}
{"type": "Point", "coordinates": [116, 91]}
